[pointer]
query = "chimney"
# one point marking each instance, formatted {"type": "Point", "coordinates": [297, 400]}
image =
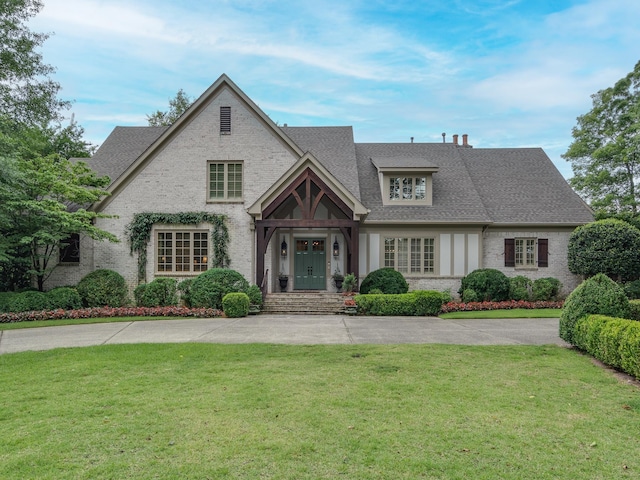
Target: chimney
{"type": "Point", "coordinates": [444, 134]}
{"type": "Point", "coordinates": [455, 139]}
{"type": "Point", "coordinates": [411, 139]}
{"type": "Point", "coordinates": [465, 140]}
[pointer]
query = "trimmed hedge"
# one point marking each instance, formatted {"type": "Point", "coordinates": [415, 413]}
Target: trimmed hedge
{"type": "Point", "coordinates": [5, 299]}
{"type": "Point", "coordinates": [29, 301]}
{"type": "Point", "coordinates": [235, 304]}
{"type": "Point", "coordinates": [614, 341]}
{"type": "Point", "coordinates": [489, 284]}
{"type": "Point", "coordinates": [161, 292]}
{"type": "Point", "coordinates": [634, 310]}
{"type": "Point", "coordinates": [208, 288]}
{"type": "Point", "coordinates": [417, 303]}
{"type": "Point", "coordinates": [598, 295]}
{"type": "Point", "coordinates": [102, 288]}
{"type": "Point", "coordinates": [387, 280]}
{"type": "Point", "coordinates": [520, 288]}
{"type": "Point", "coordinates": [66, 298]}
{"type": "Point", "coordinates": [547, 288]}
{"type": "Point", "coordinates": [255, 295]}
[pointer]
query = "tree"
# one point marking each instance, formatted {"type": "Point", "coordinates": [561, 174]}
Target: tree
{"type": "Point", "coordinates": [177, 106]}
{"type": "Point", "coordinates": [27, 93]}
{"type": "Point", "coordinates": [43, 203]}
{"type": "Point", "coordinates": [607, 246]}
{"type": "Point", "coordinates": [605, 153]}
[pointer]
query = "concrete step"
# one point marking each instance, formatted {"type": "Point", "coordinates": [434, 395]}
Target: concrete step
{"type": "Point", "coordinates": [308, 303]}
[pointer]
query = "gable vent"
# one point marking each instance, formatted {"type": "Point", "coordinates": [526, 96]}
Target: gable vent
{"type": "Point", "coordinates": [225, 120]}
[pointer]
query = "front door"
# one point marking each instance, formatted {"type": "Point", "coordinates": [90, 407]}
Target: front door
{"type": "Point", "coordinates": [310, 265]}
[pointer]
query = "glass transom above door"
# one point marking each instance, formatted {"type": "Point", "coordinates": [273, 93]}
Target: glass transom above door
{"type": "Point", "coordinates": [310, 264]}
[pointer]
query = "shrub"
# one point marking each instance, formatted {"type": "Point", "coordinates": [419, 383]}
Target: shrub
{"type": "Point", "coordinates": [350, 282]}
{"type": "Point", "coordinates": [28, 301]}
{"type": "Point", "coordinates": [184, 287]}
{"type": "Point", "coordinates": [103, 288]}
{"type": "Point", "coordinates": [235, 304]}
{"type": "Point", "coordinates": [634, 310]}
{"type": "Point", "coordinates": [520, 288]}
{"type": "Point", "coordinates": [375, 291]}
{"type": "Point", "coordinates": [387, 280]}
{"type": "Point", "coordinates": [607, 246]}
{"type": "Point", "coordinates": [597, 295]}
{"type": "Point", "coordinates": [5, 298]}
{"type": "Point", "coordinates": [488, 283]}
{"type": "Point", "coordinates": [208, 288]}
{"type": "Point", "coordinates": [255, 295]}
{"type": "Point", "coordinates": [546, 288]}
{"type": "Point", "coordinates": [161, 292]}
{"type": "Point", "coordinates": [614, 341]}
{"type": "Point", "coordinates": [66, 298]}
{"type": "Point", "coordinates": [138, 292]}
{"type": "Point", "coordinates": [469, 295]}
{"type": "Point", "coordinates": [419, 303]}
{"type": "Point", "coordinates": [632, 290]}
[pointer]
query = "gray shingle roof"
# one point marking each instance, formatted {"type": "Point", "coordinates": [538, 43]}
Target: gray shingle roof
{"type": "Point", "coordinates": [334, 148]}
{"type": "Point", "coordinates": [121, 148]}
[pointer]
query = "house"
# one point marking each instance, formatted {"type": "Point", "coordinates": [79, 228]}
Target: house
{"type": "Point", "coordinates": [309, 201]}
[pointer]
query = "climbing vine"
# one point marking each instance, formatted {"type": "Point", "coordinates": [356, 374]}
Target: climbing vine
{"type": "Point", "coordinates": [139, 234]}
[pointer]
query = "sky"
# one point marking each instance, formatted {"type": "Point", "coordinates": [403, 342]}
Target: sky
{"type": "Point", "coordinates": [511, 73]}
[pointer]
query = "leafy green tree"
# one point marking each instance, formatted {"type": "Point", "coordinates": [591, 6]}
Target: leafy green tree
{"type": "Point", "coordinates": [607, 246]}
{"type": "Point", "coordinates": [177, 106]}
{"type": "Point", "coordinates": [605, 153]}
{"type": "Point", "coordinates": [43, 204]}
{"type": "Point", "coordinates": [27, 93]}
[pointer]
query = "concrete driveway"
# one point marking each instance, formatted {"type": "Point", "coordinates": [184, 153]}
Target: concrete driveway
{"type": "Point", "coordinates": [293, 329]}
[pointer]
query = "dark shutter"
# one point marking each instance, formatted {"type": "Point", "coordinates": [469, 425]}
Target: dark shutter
{"type": "Point", "coordinates": [225, 120]}
{"type": "Point", "coordinates": [543, 252]}
{"type": "Point", "coordinates": [509, 252]}
{"type": "Point", "coordinates": [70, 249]}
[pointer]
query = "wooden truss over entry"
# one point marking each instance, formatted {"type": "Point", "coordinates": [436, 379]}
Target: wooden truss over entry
{"type": "Point", "coordinates": [307, 191]}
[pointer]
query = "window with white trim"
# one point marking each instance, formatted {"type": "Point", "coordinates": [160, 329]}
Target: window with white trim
{"type": "Point", "coordinates": [225, 181]}
{"type": "Point", "coordinates": [407, 188]}
{"type": "Point", "coordinates": [412, 256]}
{"type": "Point", "coordinates": [182, 251]}
{"type": "Point", "coordinates": [525, 252]}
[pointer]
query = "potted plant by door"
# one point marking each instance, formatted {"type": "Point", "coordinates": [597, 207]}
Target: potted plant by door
{"type": "Point", "coordinates": [283, 278]}
{"type": "Point", "coordinates": [338, 278]}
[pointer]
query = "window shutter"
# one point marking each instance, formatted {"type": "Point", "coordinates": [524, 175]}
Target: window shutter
{"type": "Point", "coordinates": [509, 252]}
{"type": "Point", "coordinates": [543, 252]}
{"type": "Point", "coordinates": [225, 120]}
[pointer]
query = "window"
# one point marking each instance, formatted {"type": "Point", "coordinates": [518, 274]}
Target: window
{"type": "Point", "coordinates": [407, 188]}
{"type": "Point", "coordinates": [225, 181]}
{"type": "Point", "coordinates": [70, 249]}
{"type": "Point", "coordinates": [410, 255]}
{"type": "Point", "coordinates": [225, 120]}
{"type": "Point", "coordinates": [182, 252]}
{"type": "Point", "coordinates": [526, 252]}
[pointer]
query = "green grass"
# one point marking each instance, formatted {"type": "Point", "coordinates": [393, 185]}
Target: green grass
{"type": "Point", "coordinates": [315, 412]}
{"type": "Point", "coordinates": [513, 313]}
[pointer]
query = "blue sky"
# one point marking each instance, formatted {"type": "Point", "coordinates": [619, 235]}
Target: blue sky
{"type": "Point", "coordinates": [507, 73]}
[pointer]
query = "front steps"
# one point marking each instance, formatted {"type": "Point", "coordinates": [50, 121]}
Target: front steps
{"type": "Point", "coordinates": [304, 303]}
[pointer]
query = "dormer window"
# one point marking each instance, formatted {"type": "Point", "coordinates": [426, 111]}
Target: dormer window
{"type": "Point", "coordinates": [405, 181]}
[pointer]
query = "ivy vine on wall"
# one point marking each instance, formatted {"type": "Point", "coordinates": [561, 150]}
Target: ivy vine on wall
{"type": "Point", "coordinates": [139, 234]}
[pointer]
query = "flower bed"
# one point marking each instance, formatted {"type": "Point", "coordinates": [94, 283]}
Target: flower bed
{"type": "Point", "coordinates": [506, 305]}
{"type": "Point", "coordinates": [98, 312]}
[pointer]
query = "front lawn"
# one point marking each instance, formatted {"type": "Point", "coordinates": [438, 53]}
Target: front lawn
{"type": "Point", "coordinates": [311, 412]}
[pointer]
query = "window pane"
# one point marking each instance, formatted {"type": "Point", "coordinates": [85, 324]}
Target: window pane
{"type": "Point", "coordinates": [519, 251]}
{"type": "Point", "coordinates": [389, 253]}
{"type": "Point", "coordinates": [407, 188]}
{"type": "Point", "coordinates": [165, 249]}
{"type": "Point", "coordinates": [531, 253]}
{"type": "Point", "coordinates": [415, 255]}
{"type": "Point", "coordinates": [200, 251]}
{"type": "Point", "coordinates": [318, 245]}
{"type": "Point", "coordinates": [216, 180]}
{"type": "Point", "coordinates": [403, 255]}
{"type": "Point", "coordinates": [429, 255]}
{"type": "Point", "coordinates": [234, 176]}
{"type": "Point", "coordinates": [421, 188]}
{"type": "Point", "coordinates": [394, 188]}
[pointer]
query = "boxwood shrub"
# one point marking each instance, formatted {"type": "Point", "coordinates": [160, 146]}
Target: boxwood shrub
{"type": "Point", "coordinates": [418, 303]}
{"type": "Point", "coordinates": [5, 299]}
{"type": "Point", "coordinates": [597, 295]}
{"type": "Point", "coordinates": [208, 288]}
{"type": "Point", "coordinates": [387, 280]}
{"type": "Point", "coordinates": [634, 309]}
{"type": "Point", "coordinates": [161, 292]}
{"type": "Point", "coordinates": [66, 298]}
{"type": "Point", "coordinates": [235, 304]}
{"type": "Point", "coordinates": [255, 295]}
{"type": "Point", "coordinates": [489, 284]}
{"type": "Point", "coordinates": [614, 341]}
{"type": "Point", "coordinates": [545, 289]}
{"type": "Point", "coordinates": [28, 301]}
{"type": "Point", "coordinates": [520, 288]}
{"type": "Point", "coordinates": [102, 288]}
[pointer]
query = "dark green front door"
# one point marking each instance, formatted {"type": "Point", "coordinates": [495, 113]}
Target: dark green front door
{"type": "Point", "coordinates": [310, 265]}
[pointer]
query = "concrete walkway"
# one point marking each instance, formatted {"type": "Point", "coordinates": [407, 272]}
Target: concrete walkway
{"type": "Point", "coordinates": [293, 329]}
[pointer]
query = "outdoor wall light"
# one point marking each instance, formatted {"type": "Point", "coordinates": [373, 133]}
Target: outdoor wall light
{"type": "Point", "coordinates": [336, 248]}
{"type": "Point", "coordinates": [283, 248]}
